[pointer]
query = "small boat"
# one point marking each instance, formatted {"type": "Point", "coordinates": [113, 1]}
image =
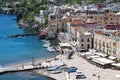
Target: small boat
{"type": "Point", "coordinates": [19, 37]}
{"type": "Point", "coordinates": [56, 71]}
{"type": "Point", "coordinates": [52, 68]}
{"type": "Point", "coordinates": [51, 49]}
{"type": "Point", "coordinates": [46, 45]}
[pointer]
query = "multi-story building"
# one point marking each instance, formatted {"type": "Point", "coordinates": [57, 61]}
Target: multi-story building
{"type": "Point", "coordinates": [108, 42]}
{"type": "Point", "coordinates": [110, 20]}
{"type": "Point", "coordinates": [73, 26]}
{"type": "Point", "coordinates": [84, 39]}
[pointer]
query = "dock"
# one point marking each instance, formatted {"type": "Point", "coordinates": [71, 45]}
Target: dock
{"type": "Point", "coordinates": [22, 35]}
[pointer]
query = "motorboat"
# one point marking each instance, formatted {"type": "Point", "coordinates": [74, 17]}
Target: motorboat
{"type": "Point", "coordinates": [56, 71]}
{"type": "Point", "coordinates": [19, 37]}
{"type": "Point", "coordinates": [46, 45]}
{"type": "Point", "coordinates": [53, 68]}
{"type": "Point", "coordinates": [51, 49]}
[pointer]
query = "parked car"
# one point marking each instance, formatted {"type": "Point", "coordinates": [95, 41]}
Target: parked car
{"type": "Point", "coordinates": [80, 75]}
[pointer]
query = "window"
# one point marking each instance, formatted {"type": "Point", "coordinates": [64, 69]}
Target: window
{"type": "Point", "coordinates": [62, 24]}
{"type": "Point", "coordinates": [82, 45]}
{"type": "Point", "coordinates": [91, 17]}
{"type": "Point", "coordinates": [88, 40]}
{"type": "Point", "coordinates": [82, 40]}
{"type": "Point", "coordinates": [88, 46]}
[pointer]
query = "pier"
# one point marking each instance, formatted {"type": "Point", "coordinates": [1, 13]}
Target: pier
{"type": "Point", "coordinates": [22, 35]}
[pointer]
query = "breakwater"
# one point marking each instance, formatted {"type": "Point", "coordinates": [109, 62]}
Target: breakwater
{"type": "Point", "coordinates": [22, 35]}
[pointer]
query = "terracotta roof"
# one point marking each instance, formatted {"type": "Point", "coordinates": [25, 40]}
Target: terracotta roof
{"type": "Point", "coordinates": [99, 32]}
{"type": "Point", "coordinates": [77, 27]}
{"type": "Point", "coordinates": [77, 22]}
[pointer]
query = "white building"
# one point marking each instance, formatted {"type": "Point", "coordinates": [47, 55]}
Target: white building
{"type": "Point", "coordinates": [43, 12]}
{"type": "Point", "coordinates": [40, 19]}
{"type": "Point", "coordinates": [91, 7]}
{"type": "Point", "coordinates": [84, 39]}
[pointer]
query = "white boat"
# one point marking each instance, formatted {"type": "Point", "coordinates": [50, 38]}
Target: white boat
{"type": "Point", "coordinates": [19, 37]}
{"type": "Point", "coordinates": [46, 45]}
{"type": "Point", "coordinates": [51, 49]}
{"type": "Point", "coordinates": [56, 71]}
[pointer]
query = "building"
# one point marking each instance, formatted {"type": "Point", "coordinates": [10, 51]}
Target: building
{"type": "Point", "coordinates": [105, 19]}
{"type": "Point", "coordinates": [40, 19]}
{"type": "Point", "coordinates": [108, 42]}
{"type": "Point", "coordinates": [73, 26]}
{"type": "Point", "coordinates": [112, 27]}
{"type": "Point", "coordinates": [91, 24]}
{"type": "Point", "coordinates": [43, 12]}
{"type": "Point", "coordinates": [84, 39]}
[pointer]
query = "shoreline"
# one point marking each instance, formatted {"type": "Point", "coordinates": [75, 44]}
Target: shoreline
{"type": "Point", "coordinates": [26, 62]}
{"type": "Point", "coordinates": [42, 72]}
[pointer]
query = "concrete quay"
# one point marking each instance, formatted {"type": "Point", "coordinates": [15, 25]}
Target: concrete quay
{"type": "Point", "coordinates": [25, 66]}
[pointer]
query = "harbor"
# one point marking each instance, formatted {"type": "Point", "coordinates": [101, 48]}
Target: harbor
{"type": "Point", "coordinates": [46, 68]}
{"type": "Point", "coordinates": [20, 49]}
{"type": "Point", "coordinates": [60, 40]}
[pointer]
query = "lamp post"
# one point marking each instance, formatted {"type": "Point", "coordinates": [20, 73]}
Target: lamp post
{"type": "Point", "coordinates": [98, 77]}
{"type": "Point", "coordinates": [33, 61]}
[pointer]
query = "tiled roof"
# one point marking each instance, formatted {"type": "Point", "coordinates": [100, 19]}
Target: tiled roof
{"type": "Point", "coordinates": [77, 27]}
{"type": "Point", "coordinates": [77, 22]}
{"type": "Point", "coordinates": [99, 32]}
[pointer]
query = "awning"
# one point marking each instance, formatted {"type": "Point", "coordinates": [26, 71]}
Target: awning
{"type": "Point", "coordinates": [101, 54]}
{"type": "Point", "coordinates": [94, 56]}
{"type": "Point", "coordinates": [102, 61]}
{"type": "Point", "coordinates": [112, 57]}
{"type": "Point", "coordinates": [116, 64]}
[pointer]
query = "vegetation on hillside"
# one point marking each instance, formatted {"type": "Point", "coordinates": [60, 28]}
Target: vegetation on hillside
{"type": "Point", "coordinates": [30, 8]}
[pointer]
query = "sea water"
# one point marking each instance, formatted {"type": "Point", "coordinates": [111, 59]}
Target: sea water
{"type": "Point", "coordinates": [15, 50]}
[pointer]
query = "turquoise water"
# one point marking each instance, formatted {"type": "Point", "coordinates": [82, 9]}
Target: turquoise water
{"type": "Point", "coordinates": [23, 76]}
{"type": "Point", "coordinates": [14, 50]}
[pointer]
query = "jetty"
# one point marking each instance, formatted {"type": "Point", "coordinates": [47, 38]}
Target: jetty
{"type": "Point", "coordinates": [22, 35]}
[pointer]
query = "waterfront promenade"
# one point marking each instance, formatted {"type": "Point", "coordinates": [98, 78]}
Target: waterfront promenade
{"type": "Point", "coordinates": [90, 71]}
{"type": "Point", "coordinates": [28, 65]}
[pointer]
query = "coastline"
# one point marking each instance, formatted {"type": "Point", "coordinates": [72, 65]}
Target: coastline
{"type": "Point", "coordinates": [76, 61]}
{"type": "Point", "coordinates": [28, 63]}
